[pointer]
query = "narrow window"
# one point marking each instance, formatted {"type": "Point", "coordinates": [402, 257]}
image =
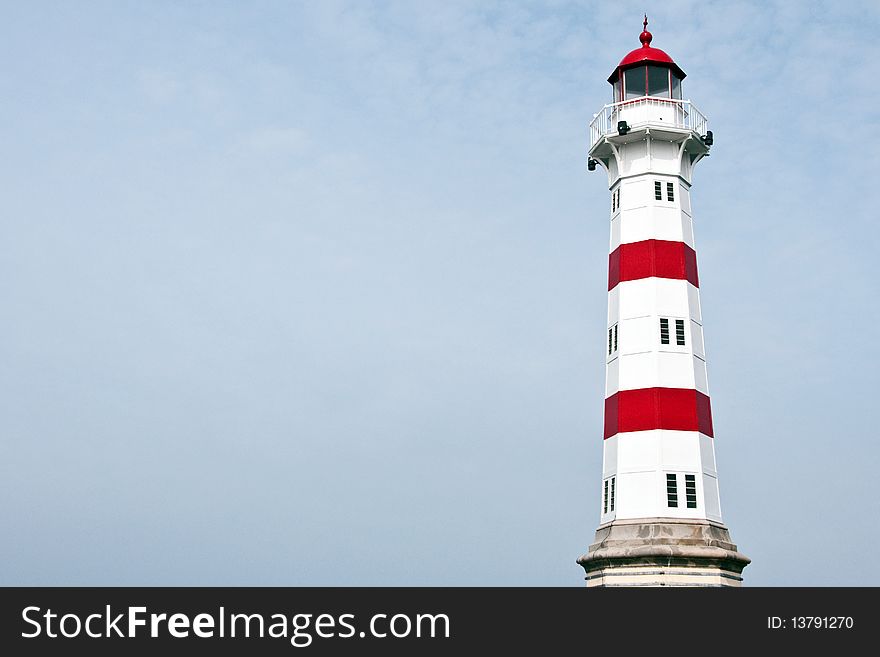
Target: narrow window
{"type": "Point", "coordinates": [690, 491]}
{"type": "Point", "coordinates": [679, 332]}
{"type": "Point", "coordinates": [610, 331]}
{"type": "Point", "coordinates": [664, 330]}
{"type": "Point", "coordinates": [670, 196]}
{"type": "Point", "coordinates": [611, 501]}
{"type": "Point", "coordinates": [658, 191]}
{"type": "Point", "coordinates": [605, 498]}
{"type": "Point", "coordinates": [671, 491]}
{"type": "Point", "coordinates": [615, 337]}
{"type": "Point", "coordinates": [618, 198]}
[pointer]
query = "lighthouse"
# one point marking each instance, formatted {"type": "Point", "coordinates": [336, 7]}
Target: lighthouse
{"type": "Point", "coordinates": [659, 506]}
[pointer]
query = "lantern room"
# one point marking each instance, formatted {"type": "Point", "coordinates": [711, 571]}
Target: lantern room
{"type": "Point", "coordinates": [646, 71]}
{"type": "Point", "coordinates": [648, 107]}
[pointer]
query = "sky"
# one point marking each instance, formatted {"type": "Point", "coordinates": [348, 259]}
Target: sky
{"type": "Point", "coordinates": [315, 293]}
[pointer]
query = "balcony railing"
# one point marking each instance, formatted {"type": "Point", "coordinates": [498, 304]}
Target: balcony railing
{"type": "Point", "coordinates": [647, 110]}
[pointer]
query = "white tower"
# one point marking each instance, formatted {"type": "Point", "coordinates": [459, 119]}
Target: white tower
{"type": "Point", "coordinates": [660, 514]}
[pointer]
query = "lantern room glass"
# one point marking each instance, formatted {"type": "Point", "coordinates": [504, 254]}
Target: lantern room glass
{"type": "Point", "coordinates": [658, 81]}
{"type": "Point", "coordinates": [650, 80]}
{"type": "Point", "coordinates": [634, 82]}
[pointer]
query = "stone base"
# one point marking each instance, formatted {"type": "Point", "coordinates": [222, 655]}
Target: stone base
{"type": "Point", "coordinates": [663, 552]}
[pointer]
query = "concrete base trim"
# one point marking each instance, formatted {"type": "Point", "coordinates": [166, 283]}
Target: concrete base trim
{"type": "Point", "coordinates": [688, 573]}
{"type": "Point", "coordinates": [663, 552]}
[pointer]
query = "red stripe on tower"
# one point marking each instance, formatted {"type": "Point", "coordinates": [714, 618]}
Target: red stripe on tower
{"type": "Point", "coordinates": [676, 409]}
{"type": "Point", "coordinates": [659, 258]}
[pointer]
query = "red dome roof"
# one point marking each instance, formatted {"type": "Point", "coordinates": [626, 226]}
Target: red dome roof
{"type": "Point", "coordinates": [645, 55]}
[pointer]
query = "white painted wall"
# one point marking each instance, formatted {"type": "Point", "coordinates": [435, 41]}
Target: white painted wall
{"type": "Point", "coordinates": [640, 461]}
{"type": "Point", "coordinates": [652, 224]}
{"type": "Point", "coordinates": [661, 297]}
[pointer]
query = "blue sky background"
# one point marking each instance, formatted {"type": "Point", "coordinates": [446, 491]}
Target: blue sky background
{"type": "Point", "coordinates": [315, 293]}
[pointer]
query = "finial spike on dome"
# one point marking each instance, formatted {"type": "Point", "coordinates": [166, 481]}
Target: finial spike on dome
{"type": "Point", "coordinates": [645, 37]}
